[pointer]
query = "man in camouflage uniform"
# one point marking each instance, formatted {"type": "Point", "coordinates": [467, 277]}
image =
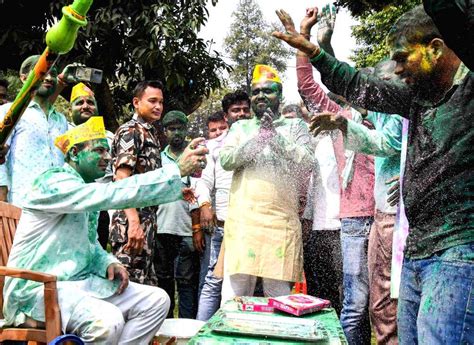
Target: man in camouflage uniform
{"type": "Point", "coordinates": [136, 150]}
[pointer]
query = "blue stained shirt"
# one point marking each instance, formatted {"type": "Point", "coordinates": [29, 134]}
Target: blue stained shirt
{"type": "Point", "coordinates": [32, 149]}
{"type": "Point", "coordinates": [385, 144]}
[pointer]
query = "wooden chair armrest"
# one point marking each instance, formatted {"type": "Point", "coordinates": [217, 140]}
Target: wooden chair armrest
{"type": "Point", "coordinates": [51, 307]}
{"type": "Point", "coordinates": [27, 274]}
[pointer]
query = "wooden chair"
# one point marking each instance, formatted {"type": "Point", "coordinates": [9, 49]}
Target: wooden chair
{"type": "Point", "coordinates": [9, 216]}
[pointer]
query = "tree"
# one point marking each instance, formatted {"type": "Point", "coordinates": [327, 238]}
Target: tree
{"type": "Point", "coordinates": [376, 18]}
{"type": "Point", "coordinates": [364, 7]}
{"type": "Point", "coordinates": [250, 42]}
{"type": "Point", "coordinates": [129, 41]}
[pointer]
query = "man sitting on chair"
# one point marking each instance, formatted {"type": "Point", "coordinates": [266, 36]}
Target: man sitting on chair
{"type": "Point", "coordinates": [57, 235]}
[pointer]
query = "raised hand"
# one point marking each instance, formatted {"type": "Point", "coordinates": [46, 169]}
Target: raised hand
{"type": "Point", "coordinates": [193, 158]}
{"type": "Point", "coordinates": [267, 119]}
{"type": "Point", "coordinates": [327, 121]}
{"type": "Point", "coordinates": [67, 76]}
{"type": "Point", "coordinates": [308, 21]}
{"type": "Point", "coordinates": [292, 37]}
{"type": "Point", "coordinates": [326, 23]}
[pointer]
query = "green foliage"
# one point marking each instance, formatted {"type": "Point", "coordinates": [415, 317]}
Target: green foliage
{"type": "Point", "coordinates": [250, 42]}
{"type": "Point", "coordinates": [374, 26]}
{"type": "Point", "coordinates": [14, 83]}
{"type": "Point", "coordinates": [364, 7]}
{"type": "Point", "coordinates": [129, 41]}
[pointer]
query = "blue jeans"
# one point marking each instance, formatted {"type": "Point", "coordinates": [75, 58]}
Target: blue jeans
{"type": "Point", "coordinates": [210, 298]}
{"type": "Point", "coordinates": [355, 306]}
{"type": "Point", "coordinates": [436, 303]}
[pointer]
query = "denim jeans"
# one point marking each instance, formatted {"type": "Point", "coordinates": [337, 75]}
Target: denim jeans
{"type": "Point", "coordinates": [210, 297]}
{"type": "Point", "coordinates": [355, 282]}
{"type": "Point", "coordinates": [436, 303]}
{"type": "Point", "coordinates": [176, 259]}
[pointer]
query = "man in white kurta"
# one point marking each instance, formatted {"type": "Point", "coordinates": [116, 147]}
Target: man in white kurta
{"type": "Point", "coordinates": [57, 235]}
{"type": "Point", "coordinates": [271, 159]}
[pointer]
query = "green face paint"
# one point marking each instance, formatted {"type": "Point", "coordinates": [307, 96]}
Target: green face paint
{"type": "Point", "coordinates": [176, 134]}
{"type": "Point", "coordinates": [265, 95]}
{"type": "Point", "coordinates": [49, 84]}
{"type": "Point", "coordinates": [415, 65]}
{"type": "Point", "coordinates": [92, 161]}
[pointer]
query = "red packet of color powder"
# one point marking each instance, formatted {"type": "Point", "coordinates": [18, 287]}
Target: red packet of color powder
{"type": "Point", "coordinates": [253, 304]}
{"type": "Point", "coordinates": [298, 304]}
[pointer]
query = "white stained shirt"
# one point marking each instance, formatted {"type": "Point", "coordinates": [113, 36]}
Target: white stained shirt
{"type": "Point", "coordinates": [323, 200]}
{"type": "Point", "coordinates": [215, 179]}
{"type": "Point", "coordinates": [32, 150]}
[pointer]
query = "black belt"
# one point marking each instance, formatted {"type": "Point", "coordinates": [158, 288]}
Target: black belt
{"type": "Point", "coordinates": [220, 223]}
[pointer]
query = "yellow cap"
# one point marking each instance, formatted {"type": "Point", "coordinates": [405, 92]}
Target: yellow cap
{"type": "Point", "coordinates": [262, 73]}
{"type": "Point", "coordinates": [79, 90]}
{"type": "Point", "coordinates": [91, 129]}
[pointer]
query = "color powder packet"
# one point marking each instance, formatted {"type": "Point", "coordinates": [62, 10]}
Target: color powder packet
{"type": "Point", "coordinates": [253, 304]}
{"type": "Point", "coordinates": [298, 304]}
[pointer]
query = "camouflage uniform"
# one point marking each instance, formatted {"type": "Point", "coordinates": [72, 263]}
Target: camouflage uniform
{"type": "Point", "coordinates": [136, 146]}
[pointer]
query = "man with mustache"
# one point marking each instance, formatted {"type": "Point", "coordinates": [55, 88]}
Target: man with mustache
{"type": "Point", "coordinates": [83, 107]}
{"type": "Point", "coordinates": [434, 306]}
{"type": "Point", "coordinates": [271, 160]}
{"type": "Point", "coordinates": [57, 235]}
{"type": "Point", "coordinates": [31, 144]}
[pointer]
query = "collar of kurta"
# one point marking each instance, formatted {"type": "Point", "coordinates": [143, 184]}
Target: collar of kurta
{"type": "Point", "coordinates": [221, 137]}
{"type": "Point", "coordinates": [460, 74]}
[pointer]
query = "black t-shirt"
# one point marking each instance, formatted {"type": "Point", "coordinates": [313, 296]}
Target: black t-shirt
{"type": "Point", "coordinates": [439, 175]}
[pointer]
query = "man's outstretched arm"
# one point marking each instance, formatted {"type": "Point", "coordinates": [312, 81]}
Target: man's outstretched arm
{"type": "Point", "coordinates": [358, 88]}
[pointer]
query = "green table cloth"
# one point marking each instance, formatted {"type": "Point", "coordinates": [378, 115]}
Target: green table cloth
{"type": "Point", "coordinates": [327, 317]}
